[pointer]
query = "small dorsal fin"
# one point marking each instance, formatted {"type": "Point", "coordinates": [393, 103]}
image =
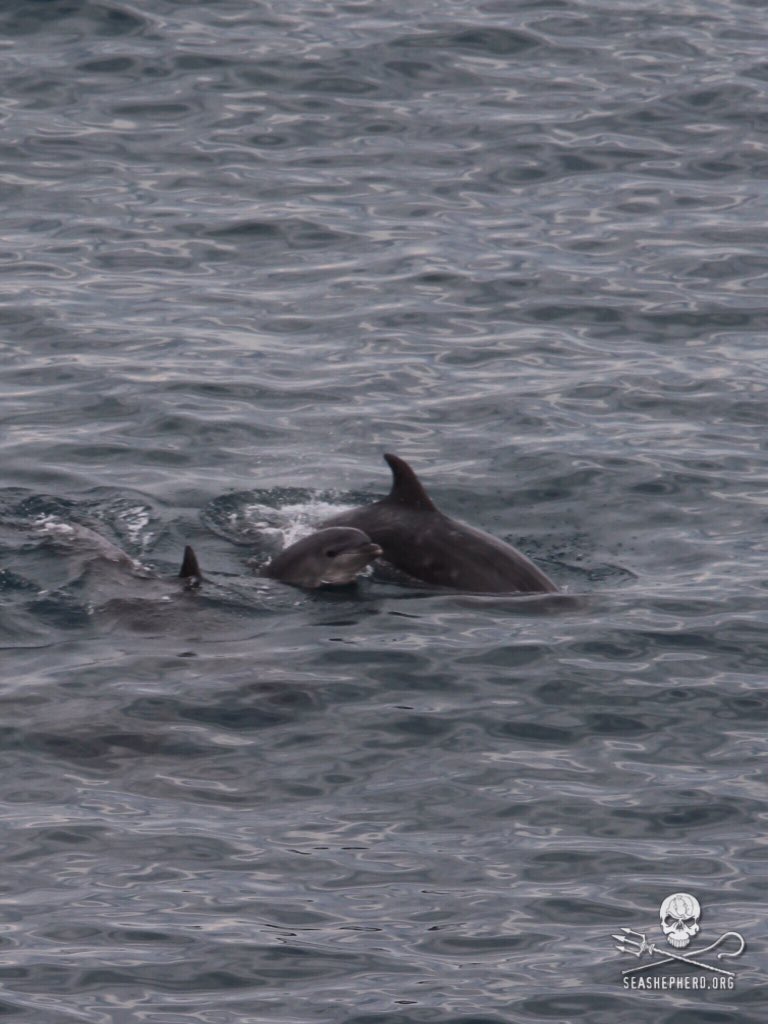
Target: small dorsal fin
{"type": "Point", "coordinates": [190, 569]}
{"type": "Point", "coordinates": [406, 486]}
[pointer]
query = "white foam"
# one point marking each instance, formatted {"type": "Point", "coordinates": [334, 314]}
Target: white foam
{"type": "Point", "coordinates": [54, 527]}
{"type": "Point", "coordinates": [291, 522]}
{"type": "Point", "coordinates": [136, 520]}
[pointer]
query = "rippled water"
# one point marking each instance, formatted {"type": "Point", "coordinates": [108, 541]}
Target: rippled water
{"type": "Point", "coordinates": [250, 246]}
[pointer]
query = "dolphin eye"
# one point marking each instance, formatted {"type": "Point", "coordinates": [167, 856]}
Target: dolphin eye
{"type": "Point", "coordinates": [331, 553]}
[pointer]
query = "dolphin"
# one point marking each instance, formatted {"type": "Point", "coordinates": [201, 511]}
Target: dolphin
{"type": "Point", "coordinates": [420, 540]}
{"type": "Point", "coordinates": [334, 556]}
{"type": "Point", "coordinates": [88, 545]}
{"type": "Point", "coordinates": [96, 547]}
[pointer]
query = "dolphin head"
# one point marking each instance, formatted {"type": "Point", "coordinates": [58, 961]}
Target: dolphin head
{"type": "Point", "coordinates": [333, 556]}
{"type": "Point", "coordinates": [345, 552]}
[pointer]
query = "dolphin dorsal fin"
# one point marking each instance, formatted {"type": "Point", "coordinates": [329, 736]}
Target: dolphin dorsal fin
{"type": "Point", "coordinates": [406, 486]}
{"type": "Point", "coordinates": [190, 569]}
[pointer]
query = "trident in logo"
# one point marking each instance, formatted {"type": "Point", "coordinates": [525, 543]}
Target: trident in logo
{"type": "Point", "coordinates": [625, 944]}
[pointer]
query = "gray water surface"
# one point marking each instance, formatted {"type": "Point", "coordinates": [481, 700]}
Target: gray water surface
{"type": "Point", "coordinates": [250, 246]}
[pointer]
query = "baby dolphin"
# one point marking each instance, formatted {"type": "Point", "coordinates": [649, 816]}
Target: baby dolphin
{"type": "Point", "coordinates": [426, 544]}
{"type": "Point", "coordinates": [334, 556]}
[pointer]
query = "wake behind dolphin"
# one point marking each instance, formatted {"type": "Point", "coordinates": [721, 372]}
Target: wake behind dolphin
{"type": "Point", "coordinates": [421, 541]}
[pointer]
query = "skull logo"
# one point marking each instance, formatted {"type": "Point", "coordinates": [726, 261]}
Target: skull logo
{"type": "Point", "coordinates": [680, 915]}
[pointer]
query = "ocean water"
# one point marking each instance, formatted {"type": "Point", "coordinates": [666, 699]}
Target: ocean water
{"type": "Point", "coordinates": [249, 247]}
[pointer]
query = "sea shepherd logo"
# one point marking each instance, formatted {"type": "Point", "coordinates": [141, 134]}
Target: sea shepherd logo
{"type": "Point", "coordinates": [680, 917]}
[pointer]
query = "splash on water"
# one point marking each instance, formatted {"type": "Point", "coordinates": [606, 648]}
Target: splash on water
{"type": "Point", "coordinates": [289, 523]}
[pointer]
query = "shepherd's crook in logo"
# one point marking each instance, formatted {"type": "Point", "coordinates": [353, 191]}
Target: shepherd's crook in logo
{"type": "Point", "coordinates": [637, 948]}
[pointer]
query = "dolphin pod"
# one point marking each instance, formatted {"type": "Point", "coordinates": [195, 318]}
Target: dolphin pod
{"type": "Point", "coordinates": [405, 529]}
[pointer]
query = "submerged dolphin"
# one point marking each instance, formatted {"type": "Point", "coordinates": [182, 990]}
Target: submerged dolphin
{"type": "Point", "coordinates": [94, 551]}
{"type": "Point", "coordinates": [426, 544]}
{"type": "Point", "coordinates": [333, 556]}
